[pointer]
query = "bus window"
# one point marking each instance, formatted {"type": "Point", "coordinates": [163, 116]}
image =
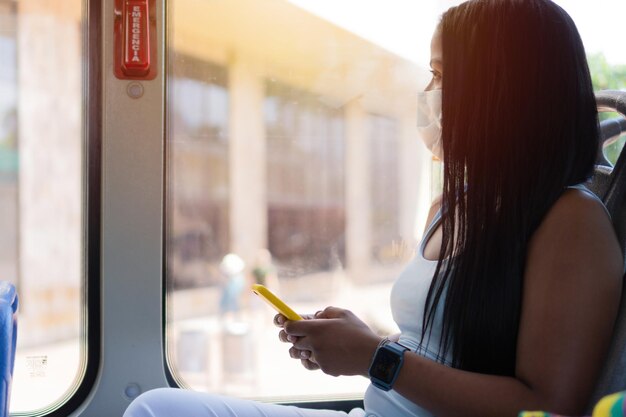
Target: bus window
{"type": "Point", "coordinates": [607, 76]}
{"type": "Point", "coordinates": [41, 193]}
{"type": "Point", "coordinates": [292, 161]}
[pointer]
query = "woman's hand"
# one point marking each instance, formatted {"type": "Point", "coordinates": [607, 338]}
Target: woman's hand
{"type": "Point", "coordinates": [339, 343]}
{"type": "Point", "coordinates": [305, 356]}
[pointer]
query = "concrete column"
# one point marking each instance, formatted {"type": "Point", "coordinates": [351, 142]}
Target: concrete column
{"type": "Point", "coordinates": [358, 201]}
{"type": "Point", "coordinates": [247, 161]}
{"type": "Point", "coordinates": [51, 173]}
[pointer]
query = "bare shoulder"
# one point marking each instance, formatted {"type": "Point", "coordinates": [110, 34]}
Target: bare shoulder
{"type": "Point", "coordinates": [579, 204]}
{"type": "Point", "coordinates": [577, 229]}
{"type": "Point", "coordinates": [578, 214]}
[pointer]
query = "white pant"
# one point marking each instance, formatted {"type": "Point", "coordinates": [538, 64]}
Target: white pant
{"type": "Point", "coordinates": [172, 402]}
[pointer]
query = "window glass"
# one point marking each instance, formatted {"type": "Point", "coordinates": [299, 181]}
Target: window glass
{"type": "Point", "coordinates": [198, 156]}
{"type": "Point", "coordinates": [614, 148]}
{"type": "Point", "coordinates": [384, 179]}
{"type": "Point", "coordinates": [607, 76]}
{"type": "Point", "coordinates": [292, 162]}
{"type": "Point", "coordinates": [41, 197]}
{"type": "Point", "coordinates": [8, 140]}
{"type": "Point", "coordinates": [305, 181]}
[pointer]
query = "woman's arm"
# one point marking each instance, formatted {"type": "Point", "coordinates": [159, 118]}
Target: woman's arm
{"type": "Point", "coordinates": [572, 287]}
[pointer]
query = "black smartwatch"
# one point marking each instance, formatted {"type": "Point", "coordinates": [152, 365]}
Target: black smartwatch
{"type": "Point", "coordinates": [386, 364]}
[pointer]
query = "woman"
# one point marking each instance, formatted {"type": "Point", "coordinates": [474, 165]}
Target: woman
{"type": "Point", "coordinates": [511, 300]}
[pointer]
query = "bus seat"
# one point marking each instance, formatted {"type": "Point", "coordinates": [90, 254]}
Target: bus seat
{"type": "Point", "coordinates": [610, 130]}
{"type": "Point", "coordinates": [8, 337]}
{"type": "Point", "coordinates": [609, 183]}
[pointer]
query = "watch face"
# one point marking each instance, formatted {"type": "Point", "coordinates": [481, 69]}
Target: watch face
{"type": "Point", "coordinates": [384, 365]}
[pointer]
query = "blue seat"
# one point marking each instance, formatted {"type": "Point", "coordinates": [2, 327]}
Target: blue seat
{"type": "Point", "coordinates": [8, 337]}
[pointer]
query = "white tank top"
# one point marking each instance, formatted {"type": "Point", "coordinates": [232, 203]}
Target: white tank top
{"type": "Point", "coordinates": [408, 297]}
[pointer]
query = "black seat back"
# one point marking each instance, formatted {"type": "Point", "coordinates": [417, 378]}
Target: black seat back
{"type": "Point", "coordinates": [609, 183]}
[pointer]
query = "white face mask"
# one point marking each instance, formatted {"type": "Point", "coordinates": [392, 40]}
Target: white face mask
{"type": "Point", "coordinates": [429, 120]}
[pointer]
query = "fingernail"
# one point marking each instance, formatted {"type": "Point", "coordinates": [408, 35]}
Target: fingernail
{"type": "Point", "coordinates": [292, 339]}
{"type": "Point", "coordinates": [305, 354]}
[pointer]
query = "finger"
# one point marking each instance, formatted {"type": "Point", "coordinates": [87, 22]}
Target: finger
{"type": "Point", "coordinates": [300, 327]}
{"type": "Point", "coordinates": [307, 355]}
{"type": "Point", "coordinates": [286, 338]}
{"type": "Point", "coordinates": [311, 366]}
{"type": "Point", "coordinates": [331, 313]}
{"type": "Point", "coordinates": [295, 353]}
{"type": "Point", "coordinates": [303, 343]}
{"type": "Point", "coordinates": [279, 320]}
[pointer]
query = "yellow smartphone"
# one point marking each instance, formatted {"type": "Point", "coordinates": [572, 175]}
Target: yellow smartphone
{"type": "Point", "coordinates": [275, 302]}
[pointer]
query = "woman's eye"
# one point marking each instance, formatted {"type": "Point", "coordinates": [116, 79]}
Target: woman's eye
{"type": "Point", "coordinates": [436, 74]}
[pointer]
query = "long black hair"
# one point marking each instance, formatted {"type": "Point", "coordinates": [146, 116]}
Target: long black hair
{"type": "Point", "coordinates": [519, 126]}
